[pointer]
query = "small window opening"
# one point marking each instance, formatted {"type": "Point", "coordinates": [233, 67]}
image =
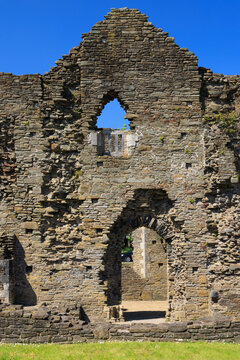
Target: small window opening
{"type": "Point", "coordinates": [112, 117]}
{"type": "Point", "coordinates": [29, 269]}
{"type": "Point", "coordinates": [154, 242]}
{"type": "Point", "coordinates": [94, 201]}
{"type": "Point", "coordinates": [28, 231]}
{"type": "Point", "coordinates": [160, 265]}
{"type": "Point", "coordinates": [194, 269]}
{"type": "Point", "coordinates": [88, 268]}
{"type": "Point", "coordinates": [214, 296]}
{"type": "Point", "coordinates": [29, 189]}
{"type": "Point", "coordinates": [183, 135]}
{"type": "Point", "coordinates": [188, 165]}
{"type": "Point", "coordinates": [99, 163]}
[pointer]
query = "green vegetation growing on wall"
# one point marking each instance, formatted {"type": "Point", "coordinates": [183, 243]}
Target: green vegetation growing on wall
{"type": "Point", "coordinates": [225, 121]}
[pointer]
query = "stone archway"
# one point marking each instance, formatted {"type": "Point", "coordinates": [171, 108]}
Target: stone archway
{"type": "Point", "coordinates": [149, 208]}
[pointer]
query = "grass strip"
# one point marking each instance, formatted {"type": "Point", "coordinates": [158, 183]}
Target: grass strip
{"type": "Point", "coordinates": [121, 351]}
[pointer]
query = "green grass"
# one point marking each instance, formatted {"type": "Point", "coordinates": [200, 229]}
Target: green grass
{"type": "Point", "coordinates": [124, 250]}
{"type": "Point", "coordinates": [123, 350]}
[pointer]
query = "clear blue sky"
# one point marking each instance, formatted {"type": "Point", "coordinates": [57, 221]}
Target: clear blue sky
{"type": "Point", "coordinates": [34, 33]}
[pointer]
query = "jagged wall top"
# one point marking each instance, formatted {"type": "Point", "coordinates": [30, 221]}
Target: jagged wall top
{"type": "Point", "coordinates": [126, 18]}
{"type": "Point", "coordinates": [126, 57]}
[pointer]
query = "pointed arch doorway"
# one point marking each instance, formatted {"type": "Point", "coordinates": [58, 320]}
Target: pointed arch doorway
{"type": "Point", "coordinates": [146, 216]}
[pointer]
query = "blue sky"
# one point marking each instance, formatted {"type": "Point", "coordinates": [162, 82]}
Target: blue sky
{"type": "Point", "coordinates": [34, 33]}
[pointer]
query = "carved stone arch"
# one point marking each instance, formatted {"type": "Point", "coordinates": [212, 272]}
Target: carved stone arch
{"type": "Point", "coordinates": [162, 225]}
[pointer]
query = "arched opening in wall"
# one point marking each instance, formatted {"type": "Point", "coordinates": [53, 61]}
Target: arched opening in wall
{"type": "Point", "coordinates": [144, 276]}
{"type": "Point", "coordinates": [112, 117]}
{"type": "Point", "coordinates": [113, 133]}
{"type": "Point", "coordinates": [142, 282]}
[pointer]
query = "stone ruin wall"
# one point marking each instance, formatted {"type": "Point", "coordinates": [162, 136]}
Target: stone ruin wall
{"type": "Point", "coordinates": [29, 326]}
{"type": "Point", "coordinates": [65, 207]}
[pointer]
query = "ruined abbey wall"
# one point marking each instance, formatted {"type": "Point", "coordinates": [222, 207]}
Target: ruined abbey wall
{"type": "Point", "coordinates": [67, 202]}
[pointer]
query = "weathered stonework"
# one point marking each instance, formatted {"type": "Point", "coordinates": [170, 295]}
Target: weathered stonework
{"type": "Point", "coordinates": [67, 200]}
{"type": "Point", "coordinates": [20, 325]}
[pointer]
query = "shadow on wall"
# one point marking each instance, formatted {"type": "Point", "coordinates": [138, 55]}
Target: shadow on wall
{"type": "Point", "coordinates": [23, 291]}
{"type": "Point", "coordinates": [143, 315]}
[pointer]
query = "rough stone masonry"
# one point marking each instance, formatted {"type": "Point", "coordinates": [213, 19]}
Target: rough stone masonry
{"type": "Point", "coordinates": [71, 192]}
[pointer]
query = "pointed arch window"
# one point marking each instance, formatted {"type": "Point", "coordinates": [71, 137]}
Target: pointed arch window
{"type": "Point", "coordinates": [114, 135]}
{"type": "Point", "coordinates": [112, 117]}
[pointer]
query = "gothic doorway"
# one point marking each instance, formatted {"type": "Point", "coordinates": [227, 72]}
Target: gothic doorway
{"type": "Point", "coordinates": [145, 278]}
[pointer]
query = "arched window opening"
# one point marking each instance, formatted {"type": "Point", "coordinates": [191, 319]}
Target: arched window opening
{"type": "Point", "coordinates": [112, 117]}
{"type": "Point", "coordinates": [113, 136]}
{"type": "Point", "coordinates": [113, 127]}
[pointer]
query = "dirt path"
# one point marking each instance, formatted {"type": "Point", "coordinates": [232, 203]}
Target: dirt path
{"type": "Point", "coordinates": [144, 311]}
